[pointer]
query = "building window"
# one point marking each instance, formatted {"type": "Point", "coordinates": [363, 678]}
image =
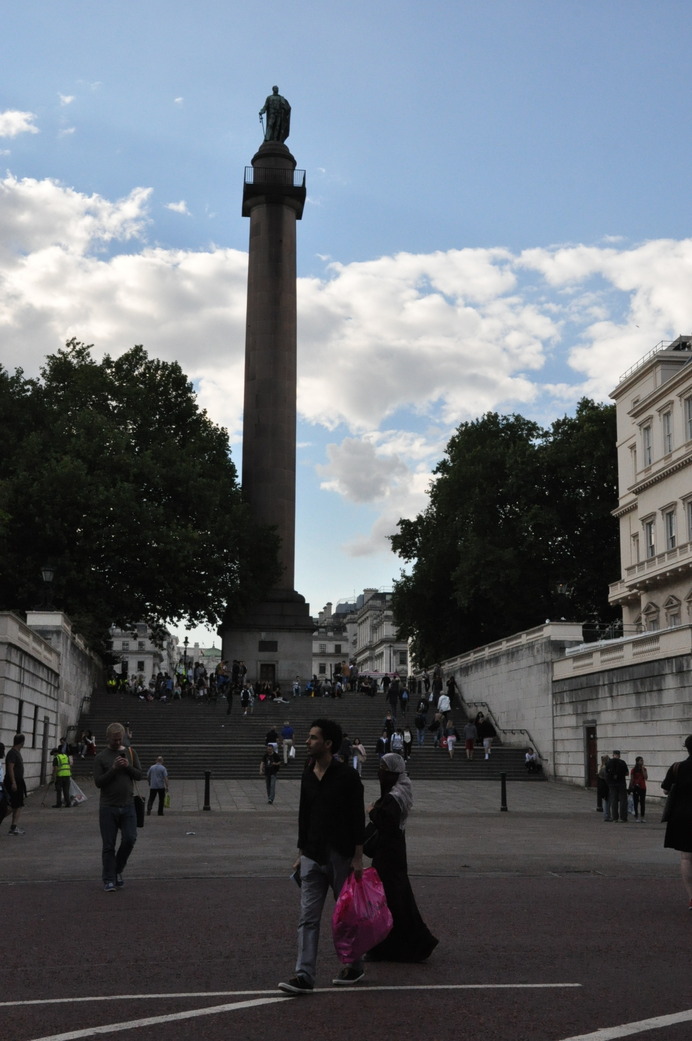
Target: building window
{"type": "Point", "coordinates": [649, 538]}
{"type": "Point", "coordinates": [669, 527]}
{"type": "Point", "coordinates": [635, 549]}
{"type": "Point", "coordinates": [140, 666]}
{"type": "Point", "coordinates": [403, 658]}
{"type": "Point", "coordinates": [688, 419]}
{"type": "Point", "coordinates": [647, 446]}
{"type": "Point", "coordinates": [650, 614]}
{"type": "Point", "coordinates": [667, 429]}
{"type": "Point", "coordinates": [322, 669]}
{"type": "Point", "coordinates": [689, 521]}
{"type": "Point", "coordinates": [323, 648]}
{"type": "Point", "coordinates": [141, 645]}
{"type": "Point", "coordinates": [126, 645]}
{"type": "Point", "coordinates": [337, 648]}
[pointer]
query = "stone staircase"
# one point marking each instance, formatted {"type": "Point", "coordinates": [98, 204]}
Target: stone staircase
{"type": "Point", "coordinates": [197, 736]}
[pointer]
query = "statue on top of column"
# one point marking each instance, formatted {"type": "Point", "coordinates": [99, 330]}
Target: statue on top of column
{"type": "Point", "coordinates": [278, 113]}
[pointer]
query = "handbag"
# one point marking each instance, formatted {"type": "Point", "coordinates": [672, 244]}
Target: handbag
{"type": "Point", "coordinates": [670, 798]}
{"type": "Point", "coordinates": [137, 799]}
{"type": "Point", "coordinates": [139, 810]}
{"type": "Point", "coordinates": [361, 917]}
{"type": "Point", "coordinates": [76, 796]}
{"type": "Point", "coordinates": [372, 837]}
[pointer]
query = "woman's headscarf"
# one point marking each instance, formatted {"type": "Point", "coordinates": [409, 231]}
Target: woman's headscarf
{"type": "Point", "coordinates": [402, 791]}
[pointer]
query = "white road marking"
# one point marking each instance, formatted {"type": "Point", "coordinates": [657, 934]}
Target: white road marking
{"type": "Point", "coordinates": [629, 1029]}
{"type": "Point", "coordinates": [215, 1010]}
{"type": "Point", "coordinates": [264, 993]}
{"type": "Point", "coordinates": [134, 1024]}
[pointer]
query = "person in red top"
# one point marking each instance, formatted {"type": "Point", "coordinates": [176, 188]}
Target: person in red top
{"type": "Point", "coordinates": [638, 779]}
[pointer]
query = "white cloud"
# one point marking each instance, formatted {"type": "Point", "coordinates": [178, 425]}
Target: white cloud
{"type": "Point", "coordinates": [178, 101]}
{"type": "Point", "coordinates": [35, 215]}
{"type": "Point", "coordinates": [393, 353]}
{"type": "Point", "coordinates": [358, 472]}
{"type": "Point", "coordinates": [178, 207]}
{"type": "Point", "coordinates": [13, 123]}
{"type": "Point", "coordinates": [66, 131]}
{"type": "Point", "coordinates": [66, 99]}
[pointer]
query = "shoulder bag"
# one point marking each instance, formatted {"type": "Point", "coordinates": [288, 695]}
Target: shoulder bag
{"type": "Point", "coordinates": [670, 798]}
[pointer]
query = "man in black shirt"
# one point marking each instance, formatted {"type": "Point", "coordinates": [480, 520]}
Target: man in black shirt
{"type": "Point", "coordinates": [617, 772]}
{"type": "Point", "coordinates": [331, 825]}
{"type": "Point", "coordinates": [14, 782]}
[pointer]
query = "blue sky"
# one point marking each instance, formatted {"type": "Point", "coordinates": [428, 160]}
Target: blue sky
{"type": "Point", "coordinates": [498, 217]}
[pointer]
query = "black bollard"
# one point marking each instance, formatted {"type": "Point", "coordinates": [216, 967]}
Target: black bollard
{"type": "Point", "coordinates": [207, 778]}
{"type": "Point", "coordinates": [503, 793]}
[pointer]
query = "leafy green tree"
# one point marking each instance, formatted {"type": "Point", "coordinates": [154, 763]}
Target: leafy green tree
{"type": "Point", "coordinates": [116, 477]}
{"type": "Point", "coordinates": [518, 529]}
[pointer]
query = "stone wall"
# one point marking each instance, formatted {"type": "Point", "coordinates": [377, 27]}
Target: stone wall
{"type": "Point", "coordinates": [643, 707]}
{"type": "Point", "coordinates": [546, 688]}
{"type": "Point", "coordinates": [46, 672]}
{"type": "Point", "coordinates": [512, 681]}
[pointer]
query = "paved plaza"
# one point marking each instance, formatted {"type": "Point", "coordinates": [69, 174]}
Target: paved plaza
{"type": "Point", "coordinates": [539, 911]}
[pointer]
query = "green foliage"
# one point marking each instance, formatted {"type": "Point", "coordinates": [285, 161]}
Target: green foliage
{"type": "Point", "coordinates": [518, 529]}
{"type": "Point", "coordinates": [114, 475]}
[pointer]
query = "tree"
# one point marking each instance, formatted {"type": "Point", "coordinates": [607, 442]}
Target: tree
{"type": "Point", "coordinates": [117, 478]}
{"type": "Point", "coordinates": [518, 529]}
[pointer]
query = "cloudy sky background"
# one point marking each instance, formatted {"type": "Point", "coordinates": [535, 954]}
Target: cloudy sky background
{"type": "Point", "coordinates": [498, 217]}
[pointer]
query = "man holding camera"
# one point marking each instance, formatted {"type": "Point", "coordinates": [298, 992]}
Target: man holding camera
{"type": "Point", "coordinates": [114, 771]}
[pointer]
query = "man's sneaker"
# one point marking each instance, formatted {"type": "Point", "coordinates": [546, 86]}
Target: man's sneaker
{"type": "Point", "coordinates": [17, 831]}
{"type": "Point", "coordinates": [296, 985]}
{"type": "Point", "coordinates": [109, 887]}
{"type": "Point", "coordinates": [119, 881]}
{"type": "Point", "coordinates": [348, 976]}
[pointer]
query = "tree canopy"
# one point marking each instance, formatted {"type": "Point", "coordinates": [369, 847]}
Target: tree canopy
{"type": "Point", "coordinates": [113, 475]}
{"type": "Point", "coordinates": [518, 529]}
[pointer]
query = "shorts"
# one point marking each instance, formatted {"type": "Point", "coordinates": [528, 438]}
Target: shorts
{"type": "Point", "coordinates": [15, 799]}
{"type": "Point", "coordinates": [468, 744]}
{"type": "Point", "coordinates": [487, 742]}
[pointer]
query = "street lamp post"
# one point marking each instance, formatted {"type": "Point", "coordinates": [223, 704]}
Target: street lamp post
{"type": "Point", "coordinates": [185, 643]}
{"type": "Point", "coordinates": [47, 574]}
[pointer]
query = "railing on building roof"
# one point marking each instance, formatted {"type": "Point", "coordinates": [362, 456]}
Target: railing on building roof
{"type": "Point", "coordinates": [660, 346]}
{"type": "Point", "coordinates": [680, 343]}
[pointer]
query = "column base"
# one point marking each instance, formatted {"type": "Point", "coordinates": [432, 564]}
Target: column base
{"type": "Point", "coordinates": [274, 639]}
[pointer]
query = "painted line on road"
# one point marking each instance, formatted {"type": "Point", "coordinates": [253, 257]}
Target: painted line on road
{"type": "Point", "coordinates": [215, 1010]}
{"type": "Point", "coordinates": [134, 1024]}
{"type": "Point", "coordinates": [629, 1029]}
{"type": "Point", "coordinates": [263, 993]}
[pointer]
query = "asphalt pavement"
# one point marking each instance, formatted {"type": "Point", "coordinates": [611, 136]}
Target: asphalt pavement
{"type": "Point", "coordinates": [553, 925]}
{"type": "Point", "coordinates": [454, 828]}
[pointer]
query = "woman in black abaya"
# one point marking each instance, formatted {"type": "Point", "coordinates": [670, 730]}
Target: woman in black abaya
{"type": "Point", "coordinates": [410, 939]}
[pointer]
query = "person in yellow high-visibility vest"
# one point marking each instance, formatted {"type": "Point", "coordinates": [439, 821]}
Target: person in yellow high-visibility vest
{"type": "Point", "coordinates": [62, 774]}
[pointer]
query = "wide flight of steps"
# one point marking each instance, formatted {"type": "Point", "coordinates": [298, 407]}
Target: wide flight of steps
{"type": "Point", "coordinates": [195, 736]}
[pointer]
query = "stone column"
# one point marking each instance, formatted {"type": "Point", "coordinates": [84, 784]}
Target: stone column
{"type": "Point", "coordinates": [273, 205]}
{"type": "Point", "coordinates": [277, 634]}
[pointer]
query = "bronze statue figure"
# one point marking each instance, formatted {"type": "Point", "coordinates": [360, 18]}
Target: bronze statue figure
{"type": "Point", "coordinates": [278, 113]}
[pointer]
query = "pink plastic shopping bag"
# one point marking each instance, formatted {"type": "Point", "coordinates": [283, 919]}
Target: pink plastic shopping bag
{"type": "Point", "coordinates": [361, 917]}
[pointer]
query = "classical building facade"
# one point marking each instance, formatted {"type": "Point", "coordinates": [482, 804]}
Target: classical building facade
{"type": "Point", "coordinates": [361, 632]}
{"type": "Point", "coordinates": [332, 641]}
{"type": "Point", "coordinates": [654, 423]}
{"type": "Point", "coordinates": [138, 654]}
